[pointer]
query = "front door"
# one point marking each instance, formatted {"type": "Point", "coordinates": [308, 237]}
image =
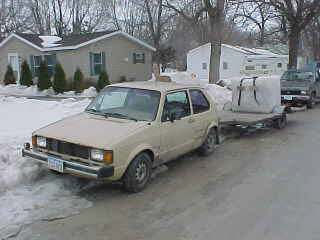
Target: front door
{"type": "Point", "coordinates": [13, 60]}
{"type": "Point", "coordinates": [176, 137]}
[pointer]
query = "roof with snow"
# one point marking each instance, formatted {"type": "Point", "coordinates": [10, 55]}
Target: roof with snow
{"type": "Point", "coordinates": [69, 42]}
{"type": "Point", "coordinates": [250, 52]}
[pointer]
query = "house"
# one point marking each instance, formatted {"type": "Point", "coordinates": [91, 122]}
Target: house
{"type": "Point", "coordinates": [120, 54]}
{"type": "Point", "coordinates": [236, 61]}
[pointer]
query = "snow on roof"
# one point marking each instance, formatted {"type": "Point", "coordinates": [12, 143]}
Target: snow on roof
{"type": "Point", "coordinates": [247, 51]}
{"type": "Point", "coordinates": [50, 41]}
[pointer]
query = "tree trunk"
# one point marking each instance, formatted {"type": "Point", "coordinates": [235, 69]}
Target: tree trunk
{"type": "Point", "coordinates": [216, 19]}
{"type": "Point", "coordinates": [294, 40]}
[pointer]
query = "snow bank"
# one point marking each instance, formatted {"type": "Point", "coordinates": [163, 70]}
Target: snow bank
{"type": "Point", "coordinates": [42, 196]}
{"type": "Point", "coordinates": [20, 117]}
{"type": "Point", "coordinates": [32, 91]}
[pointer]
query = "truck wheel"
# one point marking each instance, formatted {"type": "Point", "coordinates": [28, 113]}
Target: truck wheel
{"type": "Point", "coordinates": [280, 122]}
{"type": "Point", "coordinates": [210, 144]}
{"type": "Point", "coordinates": [138, 173]}
{"type": "Point", "coordinates": [311, 102]}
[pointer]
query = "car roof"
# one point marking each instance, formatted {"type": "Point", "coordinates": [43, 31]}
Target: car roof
{"type": "Point", "coordinates": [157, 85]}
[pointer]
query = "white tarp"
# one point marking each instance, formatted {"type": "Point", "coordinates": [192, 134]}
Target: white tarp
{"type": "Point", "coordinates": [261, 98]}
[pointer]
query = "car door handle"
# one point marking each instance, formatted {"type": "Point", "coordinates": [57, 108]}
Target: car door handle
{"type": "Point", "coordinates": [191, 120]}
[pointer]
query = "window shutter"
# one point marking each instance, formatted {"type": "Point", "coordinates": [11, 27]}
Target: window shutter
{"type": "Point", "coordinates": [54, 59]}
{"type": "Point", "coordinates": [103, 54]}
{"type": "Point", "coordinates": [143, 58]}
{"type": "Point", "coordinates": [31, 62]}
{"type": "Point", "coordinates": [91, 64]}
{"type": "Point", "coordinates": [134, 58]}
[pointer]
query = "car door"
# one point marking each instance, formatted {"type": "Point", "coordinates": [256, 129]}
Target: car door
{"type": "Point", "coordinates": [201, 115]}
{"type": "Point", "coordinates": [176, 136]}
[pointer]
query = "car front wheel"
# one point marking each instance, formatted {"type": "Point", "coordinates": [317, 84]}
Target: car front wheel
{"type": "Point", "coordinates": [138, 173]}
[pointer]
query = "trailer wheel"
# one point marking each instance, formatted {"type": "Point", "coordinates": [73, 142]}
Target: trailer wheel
{"type": "Point", "coordinates": [280, 122]}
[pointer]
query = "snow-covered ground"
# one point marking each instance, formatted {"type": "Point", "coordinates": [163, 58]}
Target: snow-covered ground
{"type": "Point", "coordinates": [32, 91]}
{"type": "Point", "coordinates": [27, 192]}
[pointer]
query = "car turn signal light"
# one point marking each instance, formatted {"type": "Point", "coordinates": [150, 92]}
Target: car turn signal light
{"type": "Point", "coordinates": [108, 157]}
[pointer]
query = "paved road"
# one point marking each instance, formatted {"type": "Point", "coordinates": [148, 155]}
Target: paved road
{"type": "Point", "coordinates": [262, 186]}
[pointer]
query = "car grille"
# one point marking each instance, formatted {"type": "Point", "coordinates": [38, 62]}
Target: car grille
{"type": "Point", "coordinates": [66, 148]}
{"type": "Point", "coordinates": [290, 92]}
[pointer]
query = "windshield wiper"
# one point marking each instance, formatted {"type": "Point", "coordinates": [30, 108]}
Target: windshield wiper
{"type": "Point", "coordinates": [119, 115]}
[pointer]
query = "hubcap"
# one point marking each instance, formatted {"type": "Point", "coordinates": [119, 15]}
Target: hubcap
{"type": "Point", "coordinates": [141, 171]}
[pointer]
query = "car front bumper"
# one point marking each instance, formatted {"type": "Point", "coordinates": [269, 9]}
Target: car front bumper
{"type": "Point", "coordinates": [294, 99]}
{"type": "Point", "coordinates": [72, 167]}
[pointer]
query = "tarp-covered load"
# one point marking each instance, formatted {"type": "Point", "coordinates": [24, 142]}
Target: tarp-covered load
{"type": "Point", "coordinates": [256, 95]}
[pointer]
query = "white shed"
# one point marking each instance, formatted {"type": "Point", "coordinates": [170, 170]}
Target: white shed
{"type": "Point", "coordinates": [236, 61]}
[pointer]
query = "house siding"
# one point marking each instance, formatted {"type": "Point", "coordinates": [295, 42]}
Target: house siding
{"type": "Point", "coordinates": [15, 46]}
{"type": "Point", "coordinates": [119, 60]}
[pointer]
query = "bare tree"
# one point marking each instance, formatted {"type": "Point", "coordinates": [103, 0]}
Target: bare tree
{"type": "Point", "coordinates": [298, 13]}
{"type": "Point", "coordinates": [257, 15]}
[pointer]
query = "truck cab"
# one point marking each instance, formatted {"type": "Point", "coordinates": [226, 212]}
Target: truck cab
{"type": "Point", "coordinates": [300, 87]}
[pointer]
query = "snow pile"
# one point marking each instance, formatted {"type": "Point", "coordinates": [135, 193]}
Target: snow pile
{"type": "Point", "coordinates": [90, 92]}
{"type": "Point", "coordinates": [32, 91]}
{"type": "Point", "coordinates": [42, 196]}
{"type": "Point", "coordinates": [18, 90]}
{"type": "Point", "coordinates": [20, 118]}
{"type": "Point", "coordinates": [50, 41]}
{"type": "Point", "coordinates": [220, 95]}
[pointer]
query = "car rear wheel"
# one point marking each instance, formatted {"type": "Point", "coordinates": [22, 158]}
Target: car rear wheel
{"type": "Point", "coordinates": [138, 173]}
{"type": "Point", "coordinates": [210, 144]}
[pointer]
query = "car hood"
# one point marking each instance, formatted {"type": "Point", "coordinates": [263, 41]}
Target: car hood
{"type": "Point", "coordinates": [91, 130]}
{"type": "Point", "coordinates": [301, 85]}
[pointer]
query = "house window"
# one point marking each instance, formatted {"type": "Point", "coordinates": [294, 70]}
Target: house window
{"type": "Point", "coordinates": [35, 62]}
{"type": "Point", "coordinates": [279, 65]}
{"type": "Point", "coordinates": [139, 58]}
{"type": "Point", "coordinates": [264, 66]}
{"type": "Point", "coordinates": [204, 66]}
{"type": "Point", "coordinates": [250, 68]}
{"type": "Point", "coordinates": [225, 66]}
{"type": "Point", "coordinates": [51, 62]}
{"type": "Point", "coordinates": [97, 63]}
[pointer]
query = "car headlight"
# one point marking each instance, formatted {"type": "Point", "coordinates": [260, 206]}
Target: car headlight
{"type": "Point", "coordinates": [304, 92]}
{"type": "Point", "coordinates": [41, 142]}
{"type": "Point", "coordinates": [101, 155]}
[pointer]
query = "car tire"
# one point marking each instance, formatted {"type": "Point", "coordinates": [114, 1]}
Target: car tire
{"type": "Point", "coordinates": [138, 173]}
{"type": "Point", "coordinates": [209, 145]}
{"type": "Point", "coordinates": [311, 102]}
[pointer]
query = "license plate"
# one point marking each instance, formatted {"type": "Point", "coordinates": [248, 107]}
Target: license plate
{"type": "Point", "coordinates": [287, 97]}
{"type": "Point", "coordinates": [55, 164]}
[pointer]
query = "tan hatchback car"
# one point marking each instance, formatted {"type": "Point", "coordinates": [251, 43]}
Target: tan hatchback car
{"type": "Point", "coordinates": [127, 130]}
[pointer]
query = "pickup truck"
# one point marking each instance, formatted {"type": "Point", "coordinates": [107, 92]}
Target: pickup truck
{"type": "Point", "coordinates": [127, 130]}
{"type": "Point", "coordinates": [300, 87]}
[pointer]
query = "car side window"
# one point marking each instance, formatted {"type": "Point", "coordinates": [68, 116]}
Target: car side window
{"type": "Point", "coordinates": [178, 103]}
{"type": "Point", "coordinates": [199, 102]}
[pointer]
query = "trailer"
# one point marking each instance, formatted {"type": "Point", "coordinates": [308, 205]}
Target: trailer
{"type": "Point", "coordinates": [276, 119]}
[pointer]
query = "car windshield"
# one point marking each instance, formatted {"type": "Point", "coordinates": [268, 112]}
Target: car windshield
{"type": "Point", "coordinates": [297, 76]}
{"type": "Point", "coordinates": [128, 103]}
